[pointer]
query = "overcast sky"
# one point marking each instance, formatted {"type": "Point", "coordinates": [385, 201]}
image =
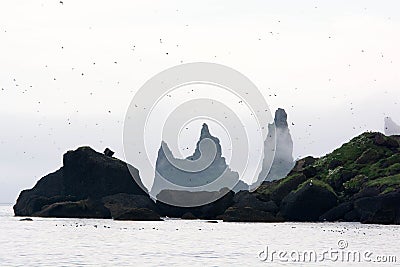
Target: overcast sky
{"type": "Point", "coordinates": [69, 71]}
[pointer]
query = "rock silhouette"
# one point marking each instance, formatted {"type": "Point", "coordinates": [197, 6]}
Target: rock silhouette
{"type": "Point", "coordinates": [359, 181]}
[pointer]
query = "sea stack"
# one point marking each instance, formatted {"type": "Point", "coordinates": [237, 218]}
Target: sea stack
{"type": "Point", "coordinates": [391, 128]}
{"type": "Point", "coordinates": [167, 166]}
{"type": "Point", "coordinates": [283, 161]}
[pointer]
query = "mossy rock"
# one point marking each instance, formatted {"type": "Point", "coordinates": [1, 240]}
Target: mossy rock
{"type": "Point", "coordinates": [309, 201]}
{"type": "Point", "coordinates": [368, 156]}
{"type": "Point", "coordinates": [338, 177]}
{"type": "Point", "coordinates": [286, 186]}
{"type": "Point", "coordinates": [393, 169]}
{"type": "Point", "coordinates": [386, 184]}
{"type": "Point", "coordinates": [354, 185]}
{"type": "Point", "coordinates": [316, 182]}
{"type": "Point", "coordinates": [386, 162]}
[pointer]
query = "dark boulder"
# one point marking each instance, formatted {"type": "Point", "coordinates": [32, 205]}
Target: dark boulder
{"type": "Point", "coordinates": [247, 214]}
{"type": "Point", "coordinates": [108, 152]}
{"type": "Point", "coordinates": [382, 209]}
{"type": "Point", "coordinates": [337, 213]}
{"type": "Point", "coordinates": [308, 202]}
{"type": "Point", "coordinates": [245, 199]}
{"type": "Point", "coordinates": [80, 209]}
{"type": "Point", "coordinates": [138, 214]}
{"type": "Point", "coordinates": [120, 204]}
{"type": "Point", "coordinates": [247, 207]}
{"type": "Point", "coordinates": [208, 211]}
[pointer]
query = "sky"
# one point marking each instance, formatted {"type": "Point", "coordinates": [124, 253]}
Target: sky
{"type": "Point", "coordinates": [69, 70]}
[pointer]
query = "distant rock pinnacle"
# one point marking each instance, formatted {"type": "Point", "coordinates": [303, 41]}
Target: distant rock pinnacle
{"type": "Point", "coordinates": [391, 128]}
{"type": "Point", "coordinates": [167, 167]}
{"type": "Point", "coordinates": [281, 118]}
{"type": "Point", "coordinates": [283, 161]}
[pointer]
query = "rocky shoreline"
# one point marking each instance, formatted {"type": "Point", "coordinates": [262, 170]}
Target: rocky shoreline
{"type": "Point", "coordinates": [358, 182]}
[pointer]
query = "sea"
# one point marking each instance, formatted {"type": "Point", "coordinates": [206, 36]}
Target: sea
{"type": "Point", "coordinates": [173, 242]}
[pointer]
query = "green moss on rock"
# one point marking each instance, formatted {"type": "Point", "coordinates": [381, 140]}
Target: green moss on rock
{"type": "Point", "coordinates": [389, 181]}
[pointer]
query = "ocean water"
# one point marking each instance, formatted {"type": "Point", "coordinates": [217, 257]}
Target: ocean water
{"type": "Point", "coordinates": [89, 242]}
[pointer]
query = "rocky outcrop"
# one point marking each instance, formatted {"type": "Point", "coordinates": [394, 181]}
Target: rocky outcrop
{"type": "Point", "coordinates": [359, 181]}
{"type": "Point", "coordinates": [85, 174]}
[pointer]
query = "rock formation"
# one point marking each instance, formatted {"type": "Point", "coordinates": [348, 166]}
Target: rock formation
{"type": "Point", "coordinates": [391, 128]}
{"type": "Point", "coordinates": [283, 161]}
{"type": "Point", "coordinates": [93, 185]}
{"type": "Point", "coordinates": [358, 182]}
{"type": "Point", "coordinates": [78, 187]}
{"type": "Point", "coordinates": [167, 167]}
